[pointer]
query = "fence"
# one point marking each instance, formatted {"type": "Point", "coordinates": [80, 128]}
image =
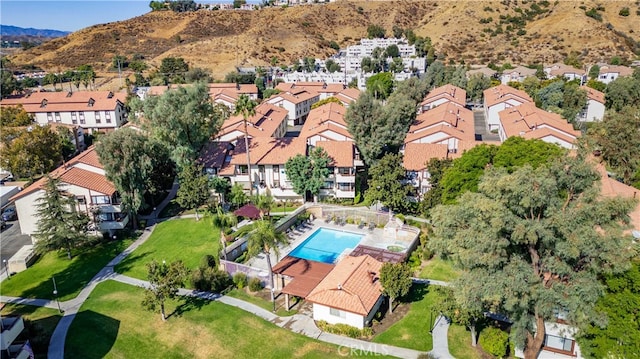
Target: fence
{"type": "Point", "coordinates": [354, 215]}
{"type": "Point", "coordinates": [232, 268]}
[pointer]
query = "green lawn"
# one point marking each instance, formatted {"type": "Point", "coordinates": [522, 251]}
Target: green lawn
{"type": "Point", "coordinates": [264, 304]}
{"type": "Point", "coordinates": [185, 239]}
{"type": "Point", "coordinates": [412, 331]}
{"type": "Point", "coordinates": [114, 323]}
{"type": "Point", "coordinates": [39, 324]}
{"type": "Point", "coordinates": [439, 269]}
{"type": "Point", "coordinates": [70, 275]}
{"type": "Point", "coordinates": [460, 343]}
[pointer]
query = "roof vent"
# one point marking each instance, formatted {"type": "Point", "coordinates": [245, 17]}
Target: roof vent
{"type": "Point", "coordinates": [339, 286]}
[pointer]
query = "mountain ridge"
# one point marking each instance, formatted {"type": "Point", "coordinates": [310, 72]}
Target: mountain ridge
{"type": "Point", "coordinates": [475, 32]}
{"type": "Point", "coordinates": [10, 30]}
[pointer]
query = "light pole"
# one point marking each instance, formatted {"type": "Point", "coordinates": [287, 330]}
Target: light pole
{"type": "Point", "coordinates": [55, 293]}
{"type": "Point", "coordinates": [6, 269]}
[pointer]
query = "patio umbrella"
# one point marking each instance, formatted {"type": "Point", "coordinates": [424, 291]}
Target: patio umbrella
{"type": "Point", "coordinates": [248, 211]}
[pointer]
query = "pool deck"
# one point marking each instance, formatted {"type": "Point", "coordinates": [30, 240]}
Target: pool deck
{"type": "Point", "coordinates": [377, 237]}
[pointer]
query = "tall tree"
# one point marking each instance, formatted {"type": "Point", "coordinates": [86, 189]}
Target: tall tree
{"type": "Point", "coordinates": [182, 119]}
{"type": "Point", "coordinates": [60, 225]}
{"type": "Point", "coordinates": [380, 85]}
{"type": "Point", "coordinates": [14, 116]}
{"type": "Point", "coordinates": [175, 68]}
{"type": "Point", "coordinates": [623, 91]}
{"type": "Point", "coordinates": [30, 152]}
{"type": "Point", "coordinates": [308, 173]}
{"type": "Point", "coordinates": [265, 239]}
{"type": "Point", "coordinates": [247, 108]}
{"type": "Point", "coordinates": [237, 197]}
{"type": "Point", "coordinates": [164, 282]}
{"type": "Point", "coordinates": [128, 162]}
{"type": "Point", "coordinates": [387, 183]}
{"type": "Point", "coordinates": [436, 168]}
{"type": "Point", "coordinates": [620, 338]}
{"type": "Point", "coordinates": [365, 121]}
{"type": "Point", "coordinates": [540, 238]}
{"type": "Point", "coordinates": [618, 138]}
{"type": "Point", "coordinates": [194, 188]}
{"type": "Point", "coordinates": [476, 85]}
{"type": "Point", "coordinates": [224, 221]}
{"type": "Point", "coordinates": [395, 279]}
{"type": "Point", "coordinates": [264, 202]}
{"type": "Point", "coordinates": [463, 309]}
{"type": "Point", "coordinates": [221, 186]}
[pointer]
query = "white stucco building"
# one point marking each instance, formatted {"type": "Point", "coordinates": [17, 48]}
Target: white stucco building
{"type": "Point", "coordinates": [499, 98]}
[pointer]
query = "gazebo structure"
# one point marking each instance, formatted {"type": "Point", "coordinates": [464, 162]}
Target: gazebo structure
{"type": "Point", "coordinates": [248, 211]}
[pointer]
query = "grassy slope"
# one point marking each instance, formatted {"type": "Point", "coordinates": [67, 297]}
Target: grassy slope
{"type": "Point", "coordinates": [439, 269]}
{"type": "Point", "coordinates": [70, 275]}
{"type": "Point", "coordinates": [460, 343]}
{"type": "Point", "coordinates": [185, 239]}
{"type": "Point", "coordinates": [412, 331]}
{"type": "Point", "coordinates": [117, 327]}
{"type": "Point", "coordinates": [39, 325]}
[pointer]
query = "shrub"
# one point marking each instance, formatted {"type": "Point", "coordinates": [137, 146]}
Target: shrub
{"type": "Point", "coordinates": [593, 13]}
{"type": "Point", "coordinates": [255, 285]}
{"type": "Point", "coordinates": [208, 261]}
{"type": "Point", "coordinates": [240, 280]}
{"type": "Point", "coordinates": [345, 329]}
{"type": "Point", "coordinates": [210, 280]}
{"type": "Point", "coordinates": [494, 341]}
{"type": "Point", "coordinates": [624, 11]}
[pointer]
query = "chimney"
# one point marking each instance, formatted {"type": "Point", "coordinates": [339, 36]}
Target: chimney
{"type": "Point", "coordinates": [339, 286]}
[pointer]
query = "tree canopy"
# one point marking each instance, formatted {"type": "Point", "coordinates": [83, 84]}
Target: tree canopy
{"type": "Point", "coordinates": [127, 157]}
{"type": "Point", "coordinates": [31, 151]}
{"type": "Point", "coordinates": [164, 282]}
{"type": "Point", "coordinates": [194, 188]}
{"type": "Point", "coordinates": [182, 119]}
{"type": "Point", "coordinates": [623, 91]}
{"type": "Point", "coordinates": [60, 225]}
{"type": "Point", "coordinates": [396, 281]}
{"type": "Point", "coordinates": [14, 116]}
{"type": "Point", "coordinates": [380, 85]}
{"type": "Point", "coordinates": [539, 239]}
{"type": "Point", "coordinates": [308, 173]}
{"type": "Point", "coordinates": [387, 184]}
{"type": "Point", "coordinates": [617, 136]}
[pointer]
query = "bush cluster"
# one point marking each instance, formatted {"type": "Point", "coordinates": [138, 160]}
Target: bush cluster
{"type": "Point", "coordinates": [345, 329]}
{"type": "Point", "coordinates": [209, 278]}
{"type": "Point", "coordinates": [240, 280]}
{"type": "Point", "coordinates": [494, 341]}
{"type": "Point", "coordinates": [255, 285]}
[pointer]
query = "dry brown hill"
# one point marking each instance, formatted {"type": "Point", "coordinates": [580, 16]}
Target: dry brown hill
{"type": "Point", "coordinates": [220, 40]}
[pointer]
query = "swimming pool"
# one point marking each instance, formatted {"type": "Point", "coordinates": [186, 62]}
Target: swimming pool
{"type": "Point", "coordinates": [325, 245]}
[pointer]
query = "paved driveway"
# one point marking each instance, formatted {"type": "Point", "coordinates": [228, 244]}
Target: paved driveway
{"type": "Point", "coordinates": [11, 240]}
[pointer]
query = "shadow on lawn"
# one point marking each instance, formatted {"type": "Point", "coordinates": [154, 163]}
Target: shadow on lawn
{"type": "Point", "coordinates": [188, 304]}
{"type": "Point", "coordinates": [75, 276]}
{"type": "Point", "coordinates": [131, 261]}
{"type": "Point", "coordinates": [94, 336]}
{"type": "Point", "coordinates": [416, 293]}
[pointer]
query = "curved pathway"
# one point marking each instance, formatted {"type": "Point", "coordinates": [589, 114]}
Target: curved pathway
{"type": "Point", "coordinates": [302, 324]}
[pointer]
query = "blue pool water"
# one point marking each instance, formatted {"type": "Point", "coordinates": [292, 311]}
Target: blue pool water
{"type": "Point", "coordinates": [325, 245]}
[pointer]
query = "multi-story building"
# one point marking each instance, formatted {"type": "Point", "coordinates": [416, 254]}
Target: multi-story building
{"type": "Point", "coordinates": [570, 73]}
{"type": "Point", "coordinates": [84, 178]}
{"type": "Point", "coordinates": [92, 110]}
{"type": "Point", "coordinates": [11, 346]}
{"type": "Point", "coordinates": [269, 121]}
{"type": "Point", "coordinates": [517, 74]}
{"type": "Point", "coordinates": [594, 109]}
{"type": "Point", "coordinates": [341, 182]}
{"type": "Point", "coordinates": [444, 94]}
{"type": "Point", "coordinates": [499, 98]}
{"type": "Point", "coordinates": [609, 73]}
{"type": "Point", "coordinates": [416, 157]}
{"type": "Point", "coordinates": [297, 103]}
{"type": "Point", "coordinates": [530, 122]}
{"type": "Point", "coordinates": [447, 124]}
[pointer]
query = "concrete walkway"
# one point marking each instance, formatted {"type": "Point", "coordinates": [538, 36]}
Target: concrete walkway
{"type": "Point", "coordinates": [298, 323]}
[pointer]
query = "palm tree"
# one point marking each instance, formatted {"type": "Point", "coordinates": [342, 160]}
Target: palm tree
{"type": "Point", "coordinates": [224, 221]}
{"type": "Point", "coordinates": [265, 204]}
{"type": "Point", "coordinates": [247, 108]}
{"type": "Point", "coordinates": [265, 238]}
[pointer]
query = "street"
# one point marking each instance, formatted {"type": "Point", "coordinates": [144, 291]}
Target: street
{"type": "Point", "coordinates": [11, 240]}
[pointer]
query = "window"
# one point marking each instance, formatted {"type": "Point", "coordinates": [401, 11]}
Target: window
{"type": "Point", "coordinates": [350, 187]}
{"type": "Point", "coordinates": [107, 116]}
{"type": "Point", "coordinates": [100, 199]}
{"type": "Point", "coordinates": [327, 185]}
{"type": "Point", "coordinates": [337, 313]}
{"type": "Point", "coordinates": [345, 171]}
{"type": "Point", "coordinates": [74, 117]}
{"type": "Point", "coordinates": [58, 117]}
{"type": "Point", "coordinates": [558, 343]}
{"type": "Point", "coordinates": [81, 200]}
{"type": "Point", "coordinates": [81, 116]}
{"type": "Point", "coordinates": [49, 116]}
{"type": "Point", "coordinates": [97, 114]}
{"type": "Point", "coordinates": [242, 170]}
{"type": "Point", "coordinates": [276, 172]}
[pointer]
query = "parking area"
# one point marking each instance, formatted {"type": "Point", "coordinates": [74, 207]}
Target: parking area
{"type": "Point", "coordinates": [11, 240]}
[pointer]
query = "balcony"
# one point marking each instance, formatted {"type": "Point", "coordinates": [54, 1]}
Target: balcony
{"type": "Point", "coordinates": [346, 178]}
{"type": "Point", "coordinates": [11, 328]}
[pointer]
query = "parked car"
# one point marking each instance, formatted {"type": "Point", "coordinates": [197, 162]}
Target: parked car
{"type": "Point", "coordinates": [9, 214]}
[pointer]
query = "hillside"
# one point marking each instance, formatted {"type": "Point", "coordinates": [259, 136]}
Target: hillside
{"type": "Point", "coordinates": [220, 40]}
{"type": "Point", "coordinates": [8, 30]}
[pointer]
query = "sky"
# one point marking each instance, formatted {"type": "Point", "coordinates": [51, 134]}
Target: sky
{"type": "Point", "coordinates": [70, 15]}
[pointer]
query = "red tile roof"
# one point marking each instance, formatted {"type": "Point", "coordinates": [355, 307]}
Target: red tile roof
{"type": "Point", "coordinates": [213, 154]}
{"type": "Point", "coordinates": [329, 116]}
{"type": "Point", "coordinates": [501, 93]}
{"type": "Point", "coordinates": [306, 274]}
{"type": "Point", "coordinates": [89, 157]}
{"type": "Point", "coordinates": [453, 120]}
{"type": "Point", "coordinates": [593, 94]}
{"type": "Point", "coordinates": [67, 101]}
{"type": "Point", "coordinates": [353, 285]}
{"type": "Point", "coordinates": [265, 122]}
{"type": "Point", "coordinates": [449, 92]}
{"type": "Point", "coordinates": [416, 155]}
{"type": "Point", "coordinates": [530, 122]}
{"type": "Point", "coordinates": [340, 151]}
